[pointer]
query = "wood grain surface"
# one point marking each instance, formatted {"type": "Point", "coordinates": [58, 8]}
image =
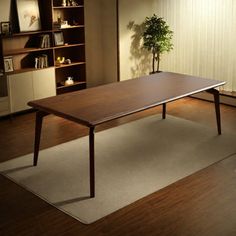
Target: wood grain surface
{"type": "Point", "coordinates": [201, 204]}
{"type": "Point", "coordinates": [107, 102]}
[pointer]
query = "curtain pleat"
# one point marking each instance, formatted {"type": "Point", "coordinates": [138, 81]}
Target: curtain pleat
{"type": "Point", "coordinates": [204, 38]}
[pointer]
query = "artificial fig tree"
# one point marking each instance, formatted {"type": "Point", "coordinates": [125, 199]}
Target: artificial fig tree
{"type": "Point", "coordinates": [156, 38]}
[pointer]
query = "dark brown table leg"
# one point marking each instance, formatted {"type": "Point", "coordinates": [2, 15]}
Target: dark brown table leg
{"type": "Point", "coordinates": [91, 162]}
{"type": "Point", "coordinates": [217, 107]}
{"type": "Point", "coordinates": [163, 110]}
{"type": "Point", "coordinates": [38, 127]}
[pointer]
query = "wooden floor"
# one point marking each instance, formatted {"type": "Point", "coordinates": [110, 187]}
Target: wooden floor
{"type": "Point", "coordinates": [201, 204]}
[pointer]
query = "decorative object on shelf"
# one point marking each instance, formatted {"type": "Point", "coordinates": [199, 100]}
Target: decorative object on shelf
{"type": "Point", "coordinates": [67, 61]}
{"type": "Point", "coordinates": [72, 3]}
{"type": "Point", "coordinates": [69, 81]}
{"type": "Point", "coordinates": [58, 38]}
{"type": "Point", "coordinates": [60, 60]}
{"type": "Point", "coordinates": [156, 38]}
{"type": "Point", "coordinates": [75, 23]}
{"type": "Point", "coordinates": [28, 15]}
{"type": "Point", "coordinates": [57, 24]}
{"type": "Point", "coordinates": [6, 28]}
{"type": "Point", "coordinates": [63, 3]}
{"type": "Point", "coordinates": [64, 24]}
{"type": "Point", "coordinates": [8, 64]}
{"type": "Point", "coordinates": [59, 17]}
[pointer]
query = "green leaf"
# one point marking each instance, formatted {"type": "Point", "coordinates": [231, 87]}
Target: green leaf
{"type": "Point", "coordinates": [157, 36]}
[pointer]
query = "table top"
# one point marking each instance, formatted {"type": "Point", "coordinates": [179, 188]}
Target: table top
{"type": "Point", "coordinates": [97, 105]}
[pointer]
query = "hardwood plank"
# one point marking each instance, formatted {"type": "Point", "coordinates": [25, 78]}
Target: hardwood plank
{"type": "Point", "coordinates": [201, 204]}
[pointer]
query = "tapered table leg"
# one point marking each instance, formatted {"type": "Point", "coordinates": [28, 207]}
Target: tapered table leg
{"type": "Point", "coordinates": [163, 110]}
{"type": "Point", "coordinates": [217, 107]}
{"type": "Point", "coordinates": [38, 127]}
{"type": "Point", "coordinates": [91, 162]}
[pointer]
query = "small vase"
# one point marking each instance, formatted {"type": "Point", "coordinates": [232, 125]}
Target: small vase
{"type": "Point", "coordinates": [69, 81]}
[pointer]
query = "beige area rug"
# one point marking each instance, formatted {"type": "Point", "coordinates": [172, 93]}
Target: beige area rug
{"type": "Point", "coordinates": [132, 161]}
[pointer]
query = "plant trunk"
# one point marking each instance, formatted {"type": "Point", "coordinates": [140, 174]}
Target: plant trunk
{"type": "Point", "coordinates": [158, 62]}
{"type": "Point", "coordinates": [153, 62]}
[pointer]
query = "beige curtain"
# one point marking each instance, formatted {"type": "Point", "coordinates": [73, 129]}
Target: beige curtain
{"type": "Point", "coordinates": [204, 38]}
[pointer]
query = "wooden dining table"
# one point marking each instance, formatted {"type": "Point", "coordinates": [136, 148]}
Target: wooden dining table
{"type": "Point", "coordinates": [94, 106]}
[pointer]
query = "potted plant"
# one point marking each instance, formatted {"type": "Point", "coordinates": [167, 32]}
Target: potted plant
{"type": "Point", "coordinates": [156, 38]}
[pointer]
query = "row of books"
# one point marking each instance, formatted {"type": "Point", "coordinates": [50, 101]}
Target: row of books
{"type": "Point", "coordinates": [44, 41]}
{"type": "Point", "coordinates": [41, 61]}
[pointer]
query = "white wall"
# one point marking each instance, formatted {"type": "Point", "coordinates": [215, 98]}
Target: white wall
{"type": "Point", "coordinates": [109, 40]}
{"type": "Point", "coordinates": [93, 39]}
{"type": "Point", "coordinates": [204, 38]}
{"type": "Point", "coordinates": [5, 10]}
{"type": "Point", "coordinates": [101, 41]}
{"type": "Point", "coordinates": [133, 61]}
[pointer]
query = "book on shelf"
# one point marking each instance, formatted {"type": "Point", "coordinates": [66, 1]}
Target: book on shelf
{"type": "Point", "coordinates": [41, 61]}
{"type": "Point", "coordinates": [44, 41]}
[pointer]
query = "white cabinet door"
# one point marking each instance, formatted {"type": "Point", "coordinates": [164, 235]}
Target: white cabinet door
{"type": "Point", "coordinates": [28, 86]}
{"type": "Point", "coordinates": [20, 88]}
{"type": "Point", "coordinates": [44, 84]}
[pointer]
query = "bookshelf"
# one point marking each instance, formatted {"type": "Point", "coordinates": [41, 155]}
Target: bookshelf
{"type": "Point", "coordinates": [24, 48]}
{"type": "Point", "coordinates": [69, 20]}
{"type": "Point", "coordinates": [59, 46]}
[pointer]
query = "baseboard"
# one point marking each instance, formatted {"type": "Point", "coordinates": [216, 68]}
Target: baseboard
{"type": "Point", "coordinates": [19, 113]}
{"type": "Point", "coordinates": [224, 98]}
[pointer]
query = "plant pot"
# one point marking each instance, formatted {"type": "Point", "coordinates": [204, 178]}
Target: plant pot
{"type": "Point", "coordinates": [155, 72]}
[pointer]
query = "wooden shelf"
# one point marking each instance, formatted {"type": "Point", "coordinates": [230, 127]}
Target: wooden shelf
{"type": "Point", "coordinates": [66, 89]}
{"type": "Point", "coordinates": [71, 64]}
{"type": "Point", "coordinates": [28, 50]}
{"type": "Point", "coordinates": [26, 70]}
{"type": "Point", "coordinates": [68, 7]}
{"type": "Point", "coordinates": [71, 85]}
{"type": "Point", "coordinates": [24, 51]}
{"type": "Point", "coordinates": [26, 33]}
{"type": "Point", "coordinates": [228, 94]}
{"type": "Point", "coordinates": [70, 27]}
{"type": "Point", "coordinates": [70, 45]}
